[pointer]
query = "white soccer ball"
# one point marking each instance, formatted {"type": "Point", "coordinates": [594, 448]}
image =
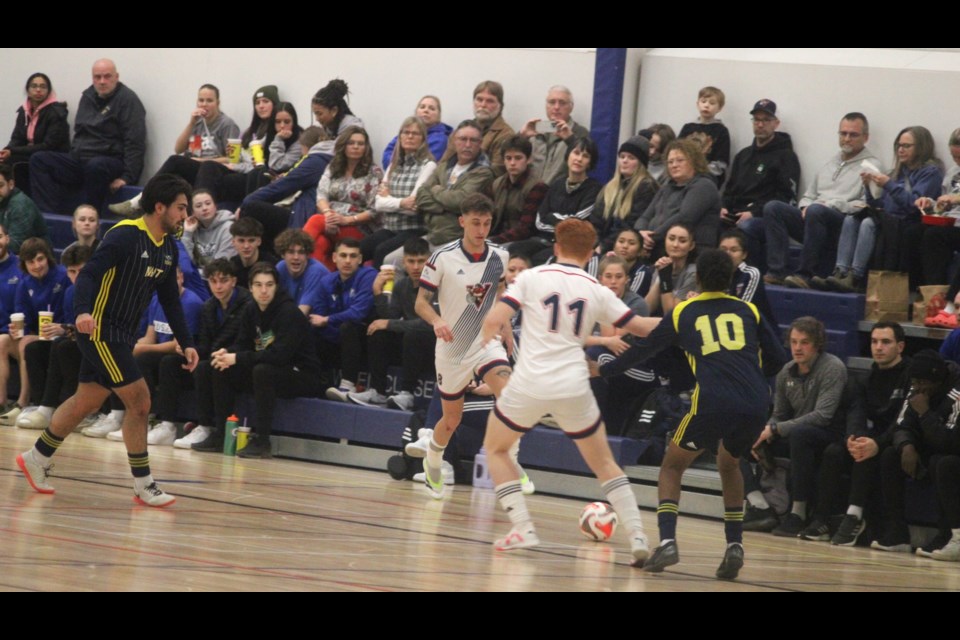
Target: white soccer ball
{"type": "Point", "coordinates": [598, 521]}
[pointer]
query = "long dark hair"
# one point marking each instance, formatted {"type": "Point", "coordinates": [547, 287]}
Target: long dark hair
{"type": "Point", "coordinates": [288, 107]}
{"type": "Point", "coordinates": [261, 128]}
{"type": "Point", "coordinates": [26, 87]}
{"type": "Point", "coordinates": [334, 96]}
{"type": "Point", "coordinates": [339, 163]}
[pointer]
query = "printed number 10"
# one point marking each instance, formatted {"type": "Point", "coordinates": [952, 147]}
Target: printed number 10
{"type": "Point", "coordinates": [728, 335]}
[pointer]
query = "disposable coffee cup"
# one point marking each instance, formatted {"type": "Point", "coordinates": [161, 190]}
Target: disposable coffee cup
{"type": "Point", "coordinates": [16, 325]}
{"type": "Point", "coordinates": [44, 318]}
{"type": "Point", "coordinates": [243, 437]}
{"type": "Point", "coordinates": [256, 150]}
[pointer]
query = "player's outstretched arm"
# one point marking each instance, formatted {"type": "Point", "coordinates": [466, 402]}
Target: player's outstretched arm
{"type": "Point", "coordinates": [642, 327]}
{"type": "Point", "coordinates": [494, 322]}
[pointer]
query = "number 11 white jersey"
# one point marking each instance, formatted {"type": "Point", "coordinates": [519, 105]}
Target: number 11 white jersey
{"type": "Point", "coordinates": [560, 304]}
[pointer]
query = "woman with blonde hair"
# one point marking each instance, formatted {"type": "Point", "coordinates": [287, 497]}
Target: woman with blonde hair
{"type": "Point", "coordinates": [628, 194]}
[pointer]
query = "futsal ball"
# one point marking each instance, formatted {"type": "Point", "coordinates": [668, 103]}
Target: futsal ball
{"type": "Point", "coordinates": [598, 521]}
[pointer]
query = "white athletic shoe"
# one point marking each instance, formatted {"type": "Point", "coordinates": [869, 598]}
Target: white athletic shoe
{"type": "Point", "coordinates": [163, 433]}
{"type": "Point", "coordinates": [446, 469]}
{"type": "Point", "coordinates": [950, 552]}
{"type": "Point", "coordinates": [520, 537]}
{"type": "Point", "coordinates": [9, 418]}
{"type": "Point", "coordinates": [197, 434]}
{"type": "Point", "coordinates": [640, 548]}
{"type": "Point", "coordinates": [116, 436]}
{"type": "Point", "coordinates": [368, 398]}
{"type": "Point", "coordinates": [128, 208]}
{"type": "Point", "coordinates": [339, 394]}
{"type": "Point", "coordinates": [435, 486]}
{"type": "Point", "coordinates": [35, 472]}
{"type": "Point", "coordinates": [526, 484]}
{"type": "Point", "coordinates": [419, 447]}
{"type": "Point", "coordinates": [105, 424]}
{"type": "Point", "coordinates": [89, 421]}
{"type": "Point", "coordinates": [402, 401]}
{"type": "Point", "coordinates": [152, 496]}
{"type": "Point", "coordinates": [33, 420]}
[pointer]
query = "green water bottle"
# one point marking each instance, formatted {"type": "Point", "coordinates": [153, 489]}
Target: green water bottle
{"type": "Point", "coordinates": [230, 436]}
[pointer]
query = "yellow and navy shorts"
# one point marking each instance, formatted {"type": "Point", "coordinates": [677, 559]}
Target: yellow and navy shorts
{"type": "Point", "coordinates": [109, 364]}
{"type": "Point", "coordinates": [737, 431]}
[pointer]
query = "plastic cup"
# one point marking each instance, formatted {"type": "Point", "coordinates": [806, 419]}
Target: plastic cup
{"type": "Point", "coordinates": [233, 149]}
{"type": "Point", "coordinates": [256, 150]}
{"type": "Point", "coordinates": [390, 271]}
{"type": "Point", "coordinates": [243, 437]}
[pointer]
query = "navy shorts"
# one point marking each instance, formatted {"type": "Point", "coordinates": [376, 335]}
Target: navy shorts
{"type": "Point", "coordinates": [738, 431]}
{"type": "Point", "coordinates": [109, 364]}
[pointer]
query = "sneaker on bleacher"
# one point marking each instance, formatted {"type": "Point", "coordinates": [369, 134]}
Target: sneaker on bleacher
{"type": "Point", "coordinates": [368, 398]}
{"type": "Point", "coordinates": [402, 401]}
{"type": "Point", "coordinates": [339, 394]}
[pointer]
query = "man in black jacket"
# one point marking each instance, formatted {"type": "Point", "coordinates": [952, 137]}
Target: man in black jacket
{"type": "Point", "coordinates": [869, 408]}
{"type": "Point", "coordinates": [108, 146]}
{"type": "Point", "coordinates": [274, 356]}
{"type": "Point", "coordinates": [925, 442]}
{"type": "Point", "coordinates": [398, 335]}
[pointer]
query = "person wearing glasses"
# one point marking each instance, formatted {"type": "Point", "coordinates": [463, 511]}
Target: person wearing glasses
{"type": "Point", "coordinates": [768, 170]}
{"type": "Point", "coordinates": [835, 193]}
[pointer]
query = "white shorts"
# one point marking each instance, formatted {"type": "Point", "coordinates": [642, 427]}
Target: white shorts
{"type": "Point", "coordinates": [454, 377]}
{"type": "Point", "coordinates": [579, 417]}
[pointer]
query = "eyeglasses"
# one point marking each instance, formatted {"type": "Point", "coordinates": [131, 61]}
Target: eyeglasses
{"type": "Point", "coordinates": [38, 86]}
{"type": "Point", "coordinates": [410, 134]}
{"type": "Point", "coordinates": [905, 145]}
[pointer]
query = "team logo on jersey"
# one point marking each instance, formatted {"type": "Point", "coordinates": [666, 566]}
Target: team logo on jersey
{"type": "Point", "coordinates": [153, 272]}
{"type": "Point", "coordinates": [476, 293]}
{"type": "Point", "coordinates": [168, 260]}
{"type": "Point", "coordinates": [145, 255]}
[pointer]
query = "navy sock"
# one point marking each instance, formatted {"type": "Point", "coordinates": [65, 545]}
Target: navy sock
{"type": "Point", "coordinates": [667, 519]}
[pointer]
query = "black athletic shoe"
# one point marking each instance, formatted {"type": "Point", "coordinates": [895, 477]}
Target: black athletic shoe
{"type": "Point", "coordinates": [849, 532]}
{"type": "Point", "coordinates": [729, 569]}
{"type": "Point", "coordinates": [212, 443]}
{"type": "Point", "coordinates": [818, 531]}
{"type": "Point", "coordinates": [257, 447]}
{"type": "Point", "coordinates": [791, 527]}
{"type": "Point", "coordinates": [663, 556]}
{"type": "Point", "coordinates": [755, 519]}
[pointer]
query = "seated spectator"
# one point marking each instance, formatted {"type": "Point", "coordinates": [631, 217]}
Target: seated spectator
{"type": "Point", "coordinates": [206, 233]}
{"type": "Point", "coordinates": [689, 197]}
{"type": "Point", "coordinates": [710, 101]}
{"type": "Point", "coordinates": [86, 227]}
{"type": "Point", "coordinates": [271, 204]}
{"type": "Point", "coordinates": [766, 171]}
{"type": "Point", "coordinates": [676, 271]}
{"type": "Point", "coordinates": [216, 325]}
{"type": "Point", "coordinates": [398, 336]}
{"type": "Point", "coordinates": [53, 362]}
{"type": "Point", "coordinates": [917, 173]}
{"type": "Point", "coordinates": [231, 181]}
{"type": "Point", "coordinates": [285, 150]}
{"type": "Point", "coordinates": [573, 195]}
{"type": "Point", "coordinates": [835, 194]}
{"type": "Point", "coordinates": [747, 283]}
{"type": "Point", "coordinates": [158, 343]}
{"type": "Point", "coordinates": [516, 194]}
{"type": "Point", "coordinates": [660, 137]}
{"type": "Point", "coordinates": [341, 311]}
{"type": "Point", "coordinates": [109, 141]}
{"type": "Point", "coordinates": [550, 149]}
{"type": "Point", "coordinates": [873, 404]}
{"type": "Point", "coordinates": [516, 265]}
{"type": "Point", "coordinates": [924, 443]}
{"type": "Point", "coordinates": [204, 139]}
{"type": "Point", "coordinates": [640, 275]}
{"type": "Point", "coordinates": [299, 274]}
{"type": "Point", "coordinates": [808, 394]}
{"type": "Point", "coordinates": [494, 130]}
{"type": "Point", "coordinates": [274, 357]}
{"type": "Point", "coordinates": [345, 195]}
{"type": "Point", "coordinates": [10, 276]}
{"type": "Point", "coordinates": [331, 111]}
{"type": "Point", "coordinates": [41, 288]}
{"type": "Point", "coordinates": [18, 213]}
{"type": "Point", "coordinates": [247, 234]}
{"type": "Point", "coordinates": [628, 194]}
{"type": "Point", "coordinates": [41, 126]}
{"type": "Point", "coordinates": [192, 276]}
{"type": "Point", "coordinates": [939, 243]}
{"type": "Point", "coordinates": [220, 320]}
{"type": "Point", "coordinates": [396, 201]}
{"type": "Point", "coordinates": [437, 133]}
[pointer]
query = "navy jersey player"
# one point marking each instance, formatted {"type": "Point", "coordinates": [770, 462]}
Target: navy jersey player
{"type": "Point", "coordinates": [135, 259]}
{"type": "Point", "coordinates": [728, 344]}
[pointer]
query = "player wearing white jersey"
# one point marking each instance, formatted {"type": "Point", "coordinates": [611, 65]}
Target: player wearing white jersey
{"type": "Point", "coordinates": [560, 304]}
{"type": "Point", "coordinates": [467, 276]}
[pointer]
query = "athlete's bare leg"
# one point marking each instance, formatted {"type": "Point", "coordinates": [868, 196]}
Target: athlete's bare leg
{"type": "Point", "coordinates": [675, 462]}
{"type": "Point", "coordinates": [136, 403]}
{"type": "Point", "coordinates": [88, 398]}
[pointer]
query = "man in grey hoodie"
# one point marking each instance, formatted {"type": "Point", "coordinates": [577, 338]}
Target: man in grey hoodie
{"type": "Point", "coordinates": [835, 193]}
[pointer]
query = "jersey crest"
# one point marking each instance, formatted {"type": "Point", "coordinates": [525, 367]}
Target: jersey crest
{"type": "Point", "coordinates": [477, 293]}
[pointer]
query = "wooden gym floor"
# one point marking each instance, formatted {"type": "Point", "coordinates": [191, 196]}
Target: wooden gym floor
{"type": "Point", "coordinates": [283, 525]}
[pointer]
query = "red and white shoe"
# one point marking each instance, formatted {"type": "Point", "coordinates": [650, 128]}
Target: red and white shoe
{"type": "Point", "coordinates": [35, 473]}
{"type": "Point", "coordinates": [152, 496]}
{"type": "Point", "coordinates": [520, 537]}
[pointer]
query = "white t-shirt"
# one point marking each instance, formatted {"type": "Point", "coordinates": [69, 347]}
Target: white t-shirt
{"type": "Point", "coordinates": [560, 305]}
{"type": "Point", "coordinates": [466, 289]}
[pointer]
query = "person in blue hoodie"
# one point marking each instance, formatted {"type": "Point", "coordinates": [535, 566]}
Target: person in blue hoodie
{"type": "Point", "coordinates": [300, 275]}
{"type": "Point", "coordinates": [438, 133]}
{"type": "Point", "coordinates": [341, 311]}
{"type": "Point", "coordinates": [10, 276]}
{"type": "Point", "coordinates": [302, 178]}
{"type": "Point", "coordinates": [42, 288]}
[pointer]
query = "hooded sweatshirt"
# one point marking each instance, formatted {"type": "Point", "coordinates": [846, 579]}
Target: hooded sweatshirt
{"type": "Point", "coordinates": [279, 335]}
{"type": "Point", "coordinates": [302, 178]}
{"type": "Point", "coordinates": [759, 175]}
{"type": "Point", "coordinates": [42, 129]}
{"type": "Point", "coordinates": [204, 244]}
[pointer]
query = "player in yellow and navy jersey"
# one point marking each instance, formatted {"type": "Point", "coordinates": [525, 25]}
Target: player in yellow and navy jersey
{"type": "Point", "coordinates": [726, 341]}
{"type": "Point", "coordinates": [135, 259]}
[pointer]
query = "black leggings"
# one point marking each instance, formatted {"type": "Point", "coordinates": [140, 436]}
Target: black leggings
{"type": "Point", "coordinates": [864, 480]}
{"type": "Point", "coordinates": [172, 380]}
{"type": "Point", "coordinates": [413, 350]}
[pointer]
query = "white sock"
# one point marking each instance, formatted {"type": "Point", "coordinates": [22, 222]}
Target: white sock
{"type": "Point", "coordinates": [42, 460]}
{"type": "Point", "coordinates": [854, 510]}
{"type": "Point", "coordinates": [800, 509]}
{"type": "Point", "coordinates": [46, 412]}
{"type": "Point", "coordinates": [757, 501]}
{"type": "Point", "coordinates": [511, 499]}
{"type": "Point", "coordinates": [620, 495]}
{"type": "Point", "coordinates": [166, 424]}
{"type": "Point", "coordinates": [434, 453]}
